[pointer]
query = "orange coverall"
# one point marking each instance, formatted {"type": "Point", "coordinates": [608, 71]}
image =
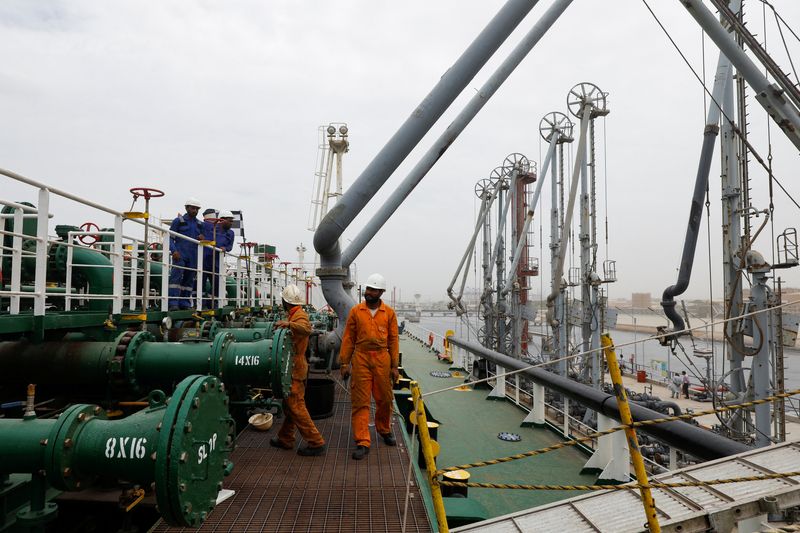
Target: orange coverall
{"type": "Point", "coordinates": [294, 407]}
{"type": "Point", "coordinates": [372, 345]}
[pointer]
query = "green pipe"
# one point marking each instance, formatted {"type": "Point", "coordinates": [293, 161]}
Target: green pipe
{"type": "Point", "coordinates": [134, 362]}
{"type": "Point", "coordinates": [182, 445]}
{"type": "Point", "coordinates": [91, 268]}
{"type": "Point", "coordinates": [259, 331]}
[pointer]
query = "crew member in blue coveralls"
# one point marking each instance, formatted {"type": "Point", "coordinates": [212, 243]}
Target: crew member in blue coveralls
{"type": "Point", "coordinates": [222, 234]}
{"type": "Point", "coordinates": [182, 276]}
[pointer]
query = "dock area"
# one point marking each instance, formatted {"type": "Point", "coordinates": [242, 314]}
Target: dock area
{"type": "Point", "coordinates": [708, 421]}
{"type": "Point", "coordinates": [279, 491]}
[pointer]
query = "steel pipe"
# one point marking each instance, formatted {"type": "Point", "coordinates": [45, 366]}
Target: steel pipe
{"type": "Point", "coordinates": [134, 362]}
{"type": "Point", "coordinates": [693, 440]}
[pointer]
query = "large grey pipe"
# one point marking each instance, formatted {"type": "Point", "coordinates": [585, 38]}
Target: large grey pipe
{"type": "Point", "coordinates": [450, 85]}
{"type": "Point", "coordinates": [700, 185]}
{"type": "Point", "coordinates": [454, 130]}
{"type": "Point", "coordinates": [686, 437]}
{"type": "Point", "coordinates": [770, 96]}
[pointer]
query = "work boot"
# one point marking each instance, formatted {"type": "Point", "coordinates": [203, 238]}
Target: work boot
{"type": "Point", "coordinates": [389, 439]}
{"type": "Point", "coordinates": [276, 443]}
{"type": "Point", "coordinates": [311, 451]}
{"type": "Point", "coordinates": [361, 452]}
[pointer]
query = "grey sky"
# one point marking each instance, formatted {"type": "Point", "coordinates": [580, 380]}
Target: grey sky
{"type": "Point", "coordinates": [222, 101]}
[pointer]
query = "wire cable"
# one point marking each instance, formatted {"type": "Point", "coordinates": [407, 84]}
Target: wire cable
{"type": "Point", "coordinates": [735, 128]}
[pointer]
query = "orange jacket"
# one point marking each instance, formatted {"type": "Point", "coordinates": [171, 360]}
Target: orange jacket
{"type": "Point", "coordinates": [365, 333]}
{"type": "Point", "coordinates": [301, 329]}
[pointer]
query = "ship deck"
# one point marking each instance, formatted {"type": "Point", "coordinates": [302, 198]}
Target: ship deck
{"type": "Point", "coordinates": [469, 425]}
{"type": "Point", "coordinates": [279, 491]}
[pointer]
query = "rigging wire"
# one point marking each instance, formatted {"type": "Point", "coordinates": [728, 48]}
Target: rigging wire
{"type": "Point", "coordinates": [735, 128]}
{"type": "Point", "coordinates": [778, 20]}
{"type": "Point", "coordinates": [778, 17]}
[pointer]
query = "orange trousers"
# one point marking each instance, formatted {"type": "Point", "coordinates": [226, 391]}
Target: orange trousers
{"type": "Point", "coordinates": [371, 376]}
{"type": "Point", "coordinates": [296, 417]}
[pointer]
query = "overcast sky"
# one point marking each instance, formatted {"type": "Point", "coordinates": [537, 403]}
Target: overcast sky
{"type": "Point", "coordinates": [222, 101]}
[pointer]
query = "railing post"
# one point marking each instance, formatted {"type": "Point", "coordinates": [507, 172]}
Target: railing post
{"type": "Point", "coordinates": [16, 261]}
{"type": "Point", "coordinates": [430, 461]}
{"type": "Point", "coordinates": [222, 283]}
{"type": "Point", "coordinates": [239, 282]}
{"type": "Point", "coordinates": [166, 259]}
{"type": "Point", "coordinates": [40, 277]}
{"type": "Point", "coordinates": [198, 283]}
{"type": "Point", "coordinates": [566, 417]}
{"type": "Point", "coordinates": [633, 443]}
{"type": "Point", "coordinates": [134, 273]}
{"type": "Point", "coordinates": [68, 281]}
{"type": "Point", "coordinates": [117, 263]}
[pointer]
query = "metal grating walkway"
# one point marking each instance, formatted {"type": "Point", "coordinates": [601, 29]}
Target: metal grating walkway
{"type": "Point", "coordinates": [279, 491]}
{"type": "Point", "coordinates": [684, 510]}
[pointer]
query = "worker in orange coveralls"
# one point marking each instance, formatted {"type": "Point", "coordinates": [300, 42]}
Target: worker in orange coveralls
{"type": "Point", "coordinates": [294, 407]}
{"type": "Point", "coordinates": [370, 352]}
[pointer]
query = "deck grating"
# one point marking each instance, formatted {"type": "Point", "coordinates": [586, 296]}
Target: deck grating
{"type": "Point", "coordinates": [280, 491]}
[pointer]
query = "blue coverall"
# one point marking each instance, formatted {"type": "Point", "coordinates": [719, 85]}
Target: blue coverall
{"type": "Point", "coordinates": [182, 286]}
{"type": "Point", "coordinates": [211, 267]}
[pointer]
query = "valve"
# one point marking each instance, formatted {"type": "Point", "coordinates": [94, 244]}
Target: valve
{"type": "Point", "coordinates": [89, 239]}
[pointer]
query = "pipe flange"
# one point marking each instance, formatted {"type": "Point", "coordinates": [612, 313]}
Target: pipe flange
{"type": "Point", "coordinates": [131, 354]}
{"type": "Point", "coordinates": [282, 351]}
{"type": "Point", "coordinates": [116, 368]}
{"type": "Point", "coordinates": [218, 348]}
{"type": "Point", "coordinates": [193, 450]}
{"type": "Point", "coordinates": [209, 329]}
{"type": "Point", "coordinates": [61, 444]}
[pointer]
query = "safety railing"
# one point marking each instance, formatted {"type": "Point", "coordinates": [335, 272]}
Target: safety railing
{"type": "Point", "coordinates": [523, 398]}
{"type": "Point", "coordinates": [437, 343]}
{"type": "Point", "coordinates": [110, 262]}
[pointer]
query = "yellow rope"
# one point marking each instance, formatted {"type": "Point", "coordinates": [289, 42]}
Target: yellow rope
{"type": "Point", "coordinates": [653, 485]}
{"type": "Point", "coordinates": [781, 529]}
{"type": "Point", "coordinates": [595, 435]}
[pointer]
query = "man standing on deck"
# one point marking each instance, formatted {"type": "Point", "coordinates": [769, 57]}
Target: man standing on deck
{"type": "Point", "coordinates": [370, 352]}
{"type": "Point", "coordinates": [685, 377]}
{"type": "Point", "coordinates": [294, 407]}
{"type": "Point", "coordinates": [182, 276]}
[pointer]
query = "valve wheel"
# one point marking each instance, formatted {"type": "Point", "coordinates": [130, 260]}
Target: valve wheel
{"type": "Point", "coordinates": [146, 193]}
{"type": "Point", "coordinates": [497, 174]}
{"type": "Point", "coordinates": [516, 161]}
{"type": "Point", "coordinates": [555, 122]}
{"type": "Point", "coordinates": [482, 187]}
{"type": "Point", "coordinates": [89, 240]}
{"type": "Point", "coordinates": [586, 93]}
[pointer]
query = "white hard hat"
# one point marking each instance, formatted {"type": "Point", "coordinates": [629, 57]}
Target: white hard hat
{"type": "Point", "coordinates": [225, 214]}
{"type": "Point", "coordinates": [192, 201]}
{"type": "Point", "coordinates": [376, 281]}
{"type": "Point", "coordinates": [292, 295]}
